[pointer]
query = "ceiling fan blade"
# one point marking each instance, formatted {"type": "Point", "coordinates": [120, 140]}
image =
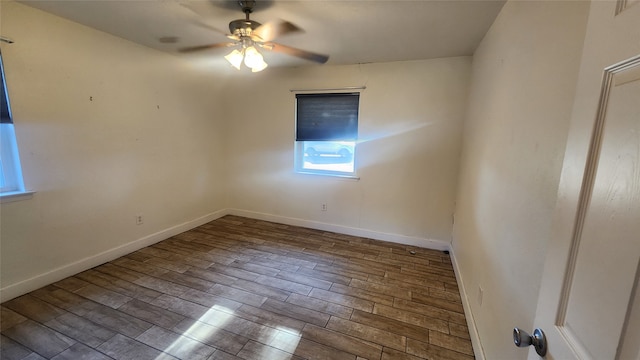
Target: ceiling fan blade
{"type": "Point", "coordinates": [204, 25]}
{"type": "Point", "coordinates": [195, 19]}
{"type": "Point", "coordinates": [273, 29]}
{"type": "Point", "coordinates": [205, 47]}
{"type": "Point", "coordinates": [303, 54]}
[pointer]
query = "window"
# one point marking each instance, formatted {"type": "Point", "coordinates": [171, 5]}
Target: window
{"type": "Point", "coordinates": [10, 171]}
{"type": "Point", "coordinates": [326, 133]}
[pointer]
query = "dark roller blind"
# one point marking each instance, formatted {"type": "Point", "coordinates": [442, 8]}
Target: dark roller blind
{"type": "Point", "coordinates": [327, 117]}
{"type": "Point", "coordinates": [5, 113]}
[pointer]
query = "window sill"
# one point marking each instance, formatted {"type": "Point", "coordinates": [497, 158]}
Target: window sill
{"type": "Point", "coordinates": [15, 196]}
{"type": "Point", "coordinates": [328, 175]}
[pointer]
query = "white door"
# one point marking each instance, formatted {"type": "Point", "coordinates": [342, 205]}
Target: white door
{"type": "Point", "coordinates": [589, 305]}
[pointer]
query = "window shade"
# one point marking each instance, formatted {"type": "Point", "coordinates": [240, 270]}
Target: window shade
{"type": "Point", "coordinates": [327, 117]}
{"type": "Point", "coordinates": [5, 114]}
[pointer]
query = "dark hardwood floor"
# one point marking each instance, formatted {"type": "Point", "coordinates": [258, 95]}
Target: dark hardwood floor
{"type": "Point", "coordinates": [238, 288]}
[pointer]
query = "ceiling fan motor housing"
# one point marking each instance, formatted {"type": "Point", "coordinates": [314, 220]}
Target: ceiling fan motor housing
{"type": "Point", "coordinates": [243, 27]}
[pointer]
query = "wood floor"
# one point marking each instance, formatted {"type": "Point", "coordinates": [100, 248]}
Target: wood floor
{"type": "Point", "coordinates": [238, 288]}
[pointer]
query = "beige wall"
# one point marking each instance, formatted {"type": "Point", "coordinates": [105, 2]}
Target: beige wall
{"type": "Point", "coordinates": [523, 83]}
{"type": "Point", "coordinates": [107, 130]}
{"type": "Point", "coordinates": [410, 125]}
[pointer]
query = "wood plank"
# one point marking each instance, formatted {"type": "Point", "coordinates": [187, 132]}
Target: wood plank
{"type": "Point", "coordinates": [376, 297]}
{"type": "Point", "coordinates": [342, 342]}
{"type": "Point", "coordinates": [256, 351]}
{"type": "Point", "coordinates": [410, 317]}
{"type": "Point", "coordinates": [174, 344]}
{"type": "Point", "coordinates": [297, 312]}
{"type": "Point", "coordinates": [430, 351]}
{"type": "Point", "coordinates": [213, 336]}
{"type": "Point", "coordinates": [80, 329]}
{"type": "Point", "coordinates": [118, 285]}
{"type": "Point", "coordinates": [321, 305]}
{"type": "Point", "coordinates": [31, 307]}
{"type": "Point", "coordinates": [368, 333]}
{"type": "Point", "coordinates": [9, 318]}
{"type": "Point", "coordinates": [450, 342]}
{"type": "Point", "coordinates": [390, 325]}
{"type": "Point", "coordinates": [122, 347]}
{"type": "Point", "coordinates": [345, 300]}
{"type": "Point", "coordinates": [429, 310]}
{"type": "Point", "coordinates": [39, 338]}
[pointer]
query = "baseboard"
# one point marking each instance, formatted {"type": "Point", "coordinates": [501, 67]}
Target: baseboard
{"type": "Point", "coordinates": [471, 324]}
{"type": "Point", "coordinates": [36, 282]}
{"type": "Point", "coordinates": [395, 238]}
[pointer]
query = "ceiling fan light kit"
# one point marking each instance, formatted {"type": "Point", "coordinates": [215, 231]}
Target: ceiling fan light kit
{"type": "Point", "coordinates": [248, 35]}
{"type": "Point", "coordinates": [235, 58]}
{"type": "Point", "coordinates": [254, 60]}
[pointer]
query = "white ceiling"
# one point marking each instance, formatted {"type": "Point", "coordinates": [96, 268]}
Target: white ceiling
{"type": "Point", "coordinates": [349, 31]}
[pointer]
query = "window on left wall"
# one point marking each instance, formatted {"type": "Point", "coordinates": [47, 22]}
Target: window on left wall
{"type": "Point", "coordinates": [11, 182]}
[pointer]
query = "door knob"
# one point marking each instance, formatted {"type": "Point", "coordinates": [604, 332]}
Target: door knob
{"type": "Point", "coordinates": [539, 341]}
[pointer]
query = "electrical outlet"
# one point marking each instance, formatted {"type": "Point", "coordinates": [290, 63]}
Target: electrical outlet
{"type": "Point", "coordinates": [480, 295]}
{"type": "Point", "coordinates": [139, 220]}
{"type": "Point", "coordinates": [323, 207]}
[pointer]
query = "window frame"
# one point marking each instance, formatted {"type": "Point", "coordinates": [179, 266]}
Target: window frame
{"type": "Point", "coordinates": [299, 145]}
{"type": "Point", "coordinates": [11, 181]}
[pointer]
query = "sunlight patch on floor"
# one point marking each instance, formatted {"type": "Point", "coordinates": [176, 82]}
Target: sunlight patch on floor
{"type": "Point", "coordinates": [286, 339]}
{"type": "Point", "coordinates": [209, 323]}
{"type": "Point", "coordinates": [217, 316]}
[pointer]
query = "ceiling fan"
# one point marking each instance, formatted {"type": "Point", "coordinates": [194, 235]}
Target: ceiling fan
{"type": "Point", "coordinates": [248, 34]}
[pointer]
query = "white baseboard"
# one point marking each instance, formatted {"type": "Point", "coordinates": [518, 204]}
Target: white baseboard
{"type": "Point", "coordinates": [36, 282]}
{"type": "Point", "coordinates": [471, 324]}
{"type": "Point", "coordinates": [395, 238]}
{"type": "Point", "coordinates": [14, 290]}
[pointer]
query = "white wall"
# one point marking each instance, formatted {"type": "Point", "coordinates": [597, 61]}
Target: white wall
{"type": "Point", "coordinates": [410, 125]}
{"type": "Point", "coordinates": [107, 130]}
{"type": "Point", "coordinates": [522, 87]}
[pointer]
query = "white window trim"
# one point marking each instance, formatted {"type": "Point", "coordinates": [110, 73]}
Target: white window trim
{"type": "Point", "coordinates": [329, 176]}
{"type": "Point", "coordinates": [12, 183]}
{"type": "Point", "coordinates": [16, 196]}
